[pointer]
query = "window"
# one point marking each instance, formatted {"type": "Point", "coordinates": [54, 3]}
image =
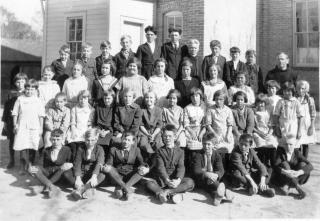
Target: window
{"type": "Point", "coordinates": [75, 31]}
{"type": "Point", "coordinates": [172, 20]}
{"type": "Point", "coordinates": [306, 33]}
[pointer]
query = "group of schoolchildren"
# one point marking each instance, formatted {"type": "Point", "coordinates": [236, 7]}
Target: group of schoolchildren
{"type": "Point", "coordinates": [162, 117]}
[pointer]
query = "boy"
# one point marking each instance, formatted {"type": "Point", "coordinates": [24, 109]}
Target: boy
{"type": "Point", "coordinates": [89, 64]}
{"type": "Point", "coordinates": [123, 56]}
{"type": "Point", "coordinates": [247, 169]}
{"type": "Point", "coordinates": [105, 48]}
{"type": "Point", "coordinates": [207, 170]}
{"type": "Point", "coordinates": [8, 129]}
{"type": "Point", "coordinates": [169, 181]}
{"type": "Point", "coordinates": [291, 167]}
{"type": "Point", "coordinates": [214, 58]}
{"type": "Point", "coordinates": [56, 162]}
{"type": "Point", "coordinates": [173, 51]}
{"type": "Point", "coordinates": [62, 67]}
{"type": "Point", "coordinates": [254, 76]}
{"type": "Point", "coordinates": [125, 165]}
{"type": "Point", "coordinates": [233, 67]}
{"type": "Point", "coordinates": [148, 52]}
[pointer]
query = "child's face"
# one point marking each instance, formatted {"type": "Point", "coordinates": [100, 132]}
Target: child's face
{"type": "Point", "coordinates": [127, 142]}
{"type": "Point", "coordinates": [128, 98]}
{"type": "Point", "coordinates": [132, 69]}
{"type": "Point", "coordinates": [150, 36]}
{"type": "Point", "coordinates": [186, 72]}
{"type": "Point", "coordinates": [172, 100]}
{"type": "Point", "coordinates": [105, 50]}
{"type": "Point", "coordinates": [220, 101]}
{"type": "Point", "coordinates": [251, 59]}
{"type": "Point", "coordinates": [47, 75]}
{"type": "Point", "coordinates": [20, 84]}
{"type": "Point", "coordinates": [108, 99]}
{"type": "Point", "coordinates": [302, 91]}
{"type": "Point", "coordinates": [105, 69]}
{"type": "Point", "coordinates": [240, 102]}
{"type": "Point", "coordinates": [175, 36]}
{"type": "Point", "coordinates": [287, 94]}
{"type": "Point", "coordinates": [261, 106]}
{"type": "Point", "coordinates": [77, 71]}
{"type": "Point", "coordinates": [56, 141]}
{"type": "Point", "coordinates": [241, 79]}
{"type": "Point", "coordinates": [63, 56]}
{"type": "Point", "coordinates": [290, 144]}
{"type": "Point", "coordinates": [160, 68]}
{"type": "Point", "coordinates": [30, 91]}
{"type": "Point", "coordinates": [150, 99]}
{"type": "Point", "coordinates": [213, 72]}
{"type": "Point", "coordinates": [86, 52]}
{"type": "Point", "coordinates": [272, 91]}
{"type": "Point", "coordinates": [83, 101]}
{"type": "Point", "coordinates": [60, 102]}
{"type": "Point", "coordinates": [126, 44]}
{"type": "Point", "coordinates": [168, 138]}
{"type": "Point", "coordinates": [91, 141]}
{"type": "Point", "coordinates": [196, 99]}
{"type": "Point", "coordinates": [235, 56]}
{"type": "Point", "coordinates": [208, 146]}
{"type": "Point", "coordinates": [215, 50]}
{"type": "Point", "coordinates": [193, 49]}
{"type": "Point", "coordinates": [244, 146]}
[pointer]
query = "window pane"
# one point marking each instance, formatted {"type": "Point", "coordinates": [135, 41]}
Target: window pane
{"type": "Point", "coordinates": [313, 8]}
{"type": "Point", "coordinates": [170, 22]}
{"type": "Point", "coordinates": [73, 47]}
{"type": "Point", "coordinates": [301, 25]}
{"type": "Point", "coordinates": [79, 35]}
{"type": "Point", "coordinates": [314, 40]}
{"type": "Point", "coordinates": [72, 56]}
{"type": "Point", "coordinates": [79, 23]}
{"type": "Point", "coordinates": [72, 25]}
{"type": "Point", "coordinates": [78, 56]}
{"type": "Point", "coordinates": [313, 24]}
{"type": "Point", "coordinates": [79, 46]}
{"type": "Point", "coordinates": [178, 22]}
{"type": "Point", "coordinates": [301, 17]}
{"type": "Point", "coordinates": [71, 35]}
{"type": "Point", "coordinates": [308, 55]}
{"type": "Point", "coordinates": [302, 40]}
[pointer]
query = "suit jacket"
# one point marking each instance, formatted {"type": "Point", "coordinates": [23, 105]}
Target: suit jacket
{"type": "Point", "coordinates": [230, 75]}
{"type": "Point", "coordinates": [173, 57]}
{"type": "Point", "coordinates": [61, 72]}
{"type": "Point", "coordinates": [253, 163]}
{"type": "Point", "coordinates": [296, 158]}
{"type": "Point", "coordinates": [208, 61]}
{"type": "Point", "coordinates": [93, 164]}
{"type": "Point", "coordinates": [184, 87]}
{"type": "Point", "coordinates": [127, 118]}
{"type": "Point", "coordinates": [198, 164]}
{"type": "Point", "coordinates": [196, 70]}
{"type": "Point", "coordinates": [121, 62]}
{"type": "Point", "coordinates": [116, 159]}
{"type": "Point", "coordinates": [64, 156]}
{"type": "Point", "coordinates": [147, 58]}
{"type": "Point", "coordinates": [89, 69]}
{"type": "Point", "coordinates": [99, 62]}
{"type": "Point", "coordinates": [152, 119]}
{"type": "Point", "coordinates": [244, 123]}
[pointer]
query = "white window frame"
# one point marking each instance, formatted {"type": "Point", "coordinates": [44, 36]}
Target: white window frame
{"type": "Point", "coordinates": [76, 15]}
{"type": "Point", "coordinates": [173, 14]}
{"type": "Point", "coordinates": [296, 64]}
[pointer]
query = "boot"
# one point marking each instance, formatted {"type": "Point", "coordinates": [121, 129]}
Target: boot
{"type": "Point", "coordinates": [302, 193]}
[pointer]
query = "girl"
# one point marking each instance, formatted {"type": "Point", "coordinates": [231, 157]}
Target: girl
{"type": "Point", "coordinates": [133, 81]}
{"type": "Point", "coordinates": [309, 111]}
{"type": "Point", "coordinates": [82, 117]}
{"type": "Point", "coordinates": [105, 118]}
{"type": "Point", "coordinates": [57, 117]}
{"type": "Point", "coordinates": [240, 86]}
{"type": "Point", "coordinates": [266, 142]}
{"type": "Point", "coordinates": [254, 76]}
{"type": "Point", "coordinates": [243, 115]}
{"type": "Point", "coordinates": [73, 85]}
{"type": "Point", "coordinates": [173, 114]}
{"type": "Point", "coordinates": [219, 121]}
{"type": "Point", "coordinates": [193, 120]}
{"type": "Point", "coordinates": [161, 83]}
{"type": "Point", "coordinates": [213, 84]}
{"type": "Point", "coordinates": [151, 125]}
{"type": "Point", "coordinates": [185, 85]}
{"type": "Point", "coordinates": [28, 113]}
{"type": "Point", "coordinates": [48, 88]}
{"type": "Point", "coordinates": [288, 114]}
{"type": "Point", "coordinates": [105, 81]}
{"type": "Point", "coordinates": [272, 99]}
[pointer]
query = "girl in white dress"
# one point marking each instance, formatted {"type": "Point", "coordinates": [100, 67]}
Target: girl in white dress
{"type": "Point", "coordinates": [28, 113]}
{"type": "Point", "coordinates": [271, 101]}
{"type": "Point", "coordinates": [309, 111]}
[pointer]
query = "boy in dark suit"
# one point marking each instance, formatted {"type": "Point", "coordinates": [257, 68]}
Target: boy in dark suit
{"type": "Point", "coordinates": [291, 167]}
{"type": "Point", "coordinates": [233, 67]}
{"type": "Point", "coordinates": [88, 63]}
{"type": "Point", "coordinates": [125, 165]}
{"type": "Point", "coordinates": [207, 170]}
{"type": "Point", "coordinates": [173, 52]}
{"type": "Point", "coordinates": [247, 169]}
{"type": "Point", "coordinates": [169, 181]}
{"type": "Point", "coordinates": [148, 52]}
{"type": "Point", "coordinates": [214, 58]}
{"type": "Point", "coordinates": [105, 47]}
{"type": "Point", "coordinates": [56, 161]}
{"type": "Point", "coordinates": [62, 67]}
